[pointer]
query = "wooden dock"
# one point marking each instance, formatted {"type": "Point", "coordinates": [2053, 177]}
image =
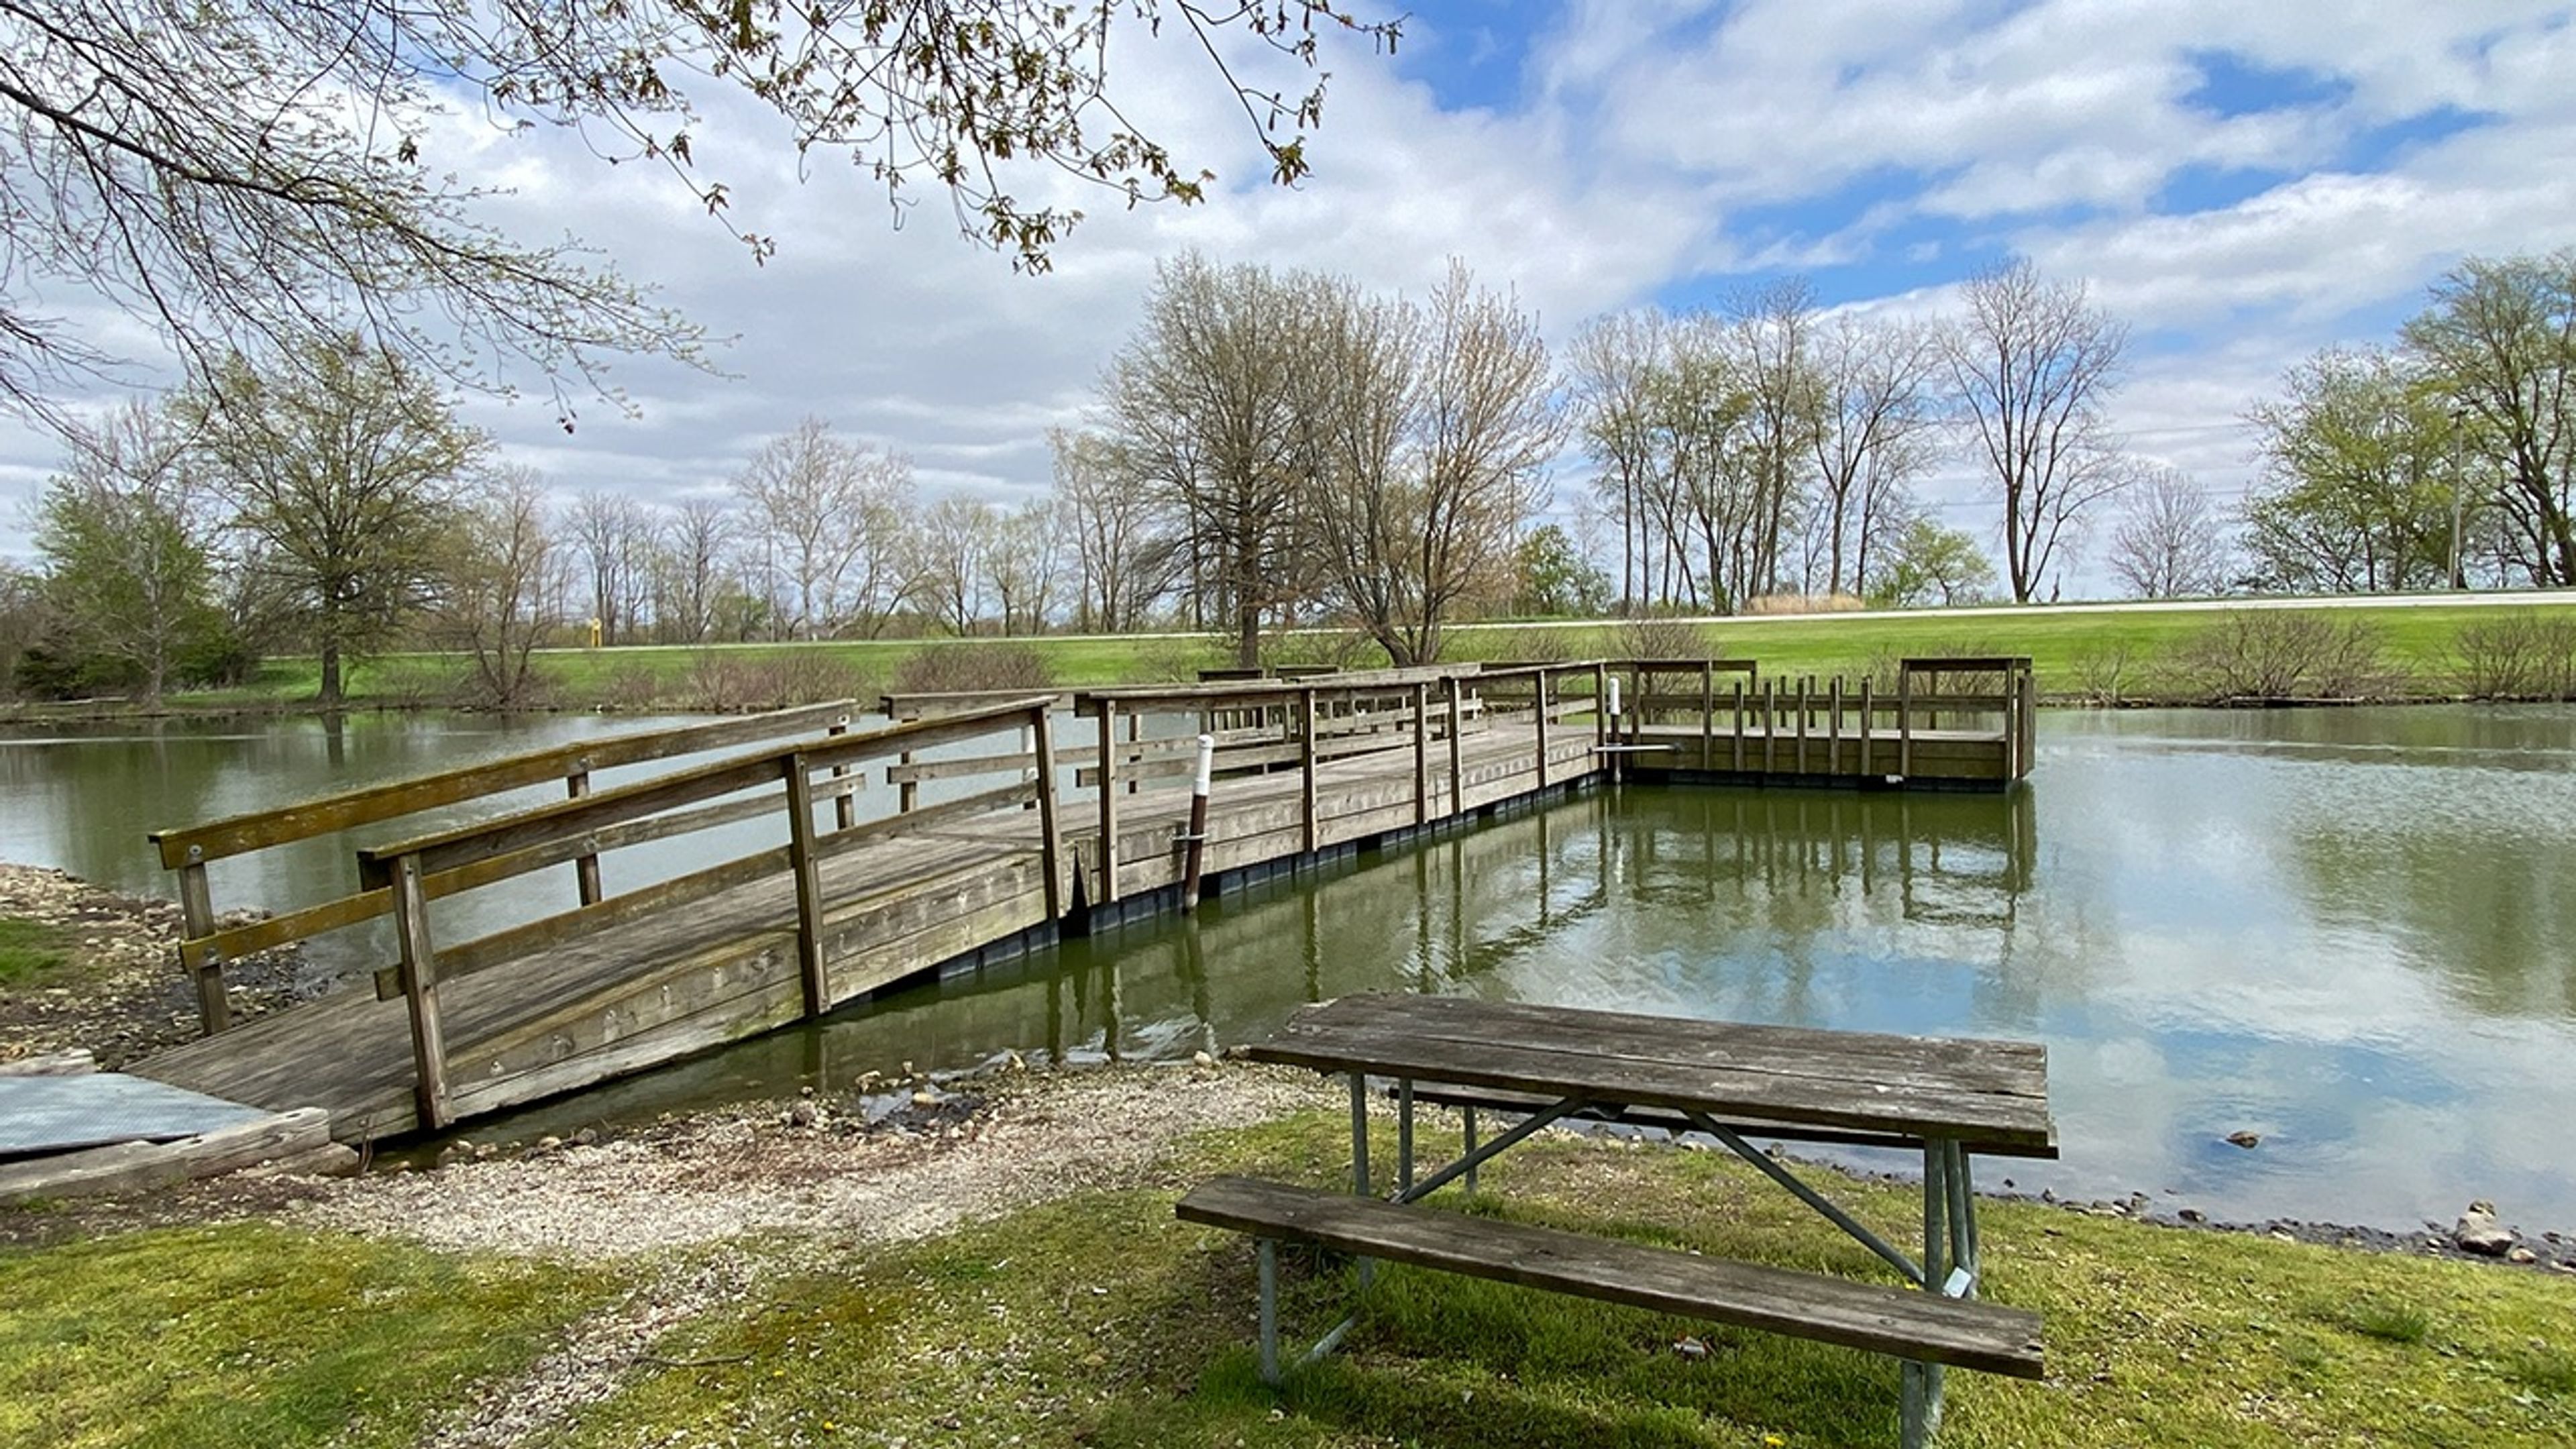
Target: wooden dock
{"type": "Point", "coordinates": [1009, 823]}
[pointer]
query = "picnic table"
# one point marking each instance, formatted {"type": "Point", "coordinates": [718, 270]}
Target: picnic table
{"type": "Point", "coordinates": [1948, 1099]}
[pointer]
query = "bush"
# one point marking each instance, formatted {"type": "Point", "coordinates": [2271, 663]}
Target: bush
{"type": "Point", "coordinates": [962, 668]}
{"type": "Point", "coordinates": [2520, 655]}
{"type": "Point", "coordinates": [724, 682]}
{"type": "Point", "coordinates": [2270, 654]}
{"type": "Point", "coordinates": [2106, 673]}
{"type": "Point", "coordinates": [1652, 638]}
{"type": "Point", "coordinates": [1805, 604]}
{"type": "Point", "coordinates": [1311, 648]}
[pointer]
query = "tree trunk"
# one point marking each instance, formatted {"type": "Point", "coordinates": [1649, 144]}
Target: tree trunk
{"type": "Point", "coordinates": [330, 696]}
{"type": "Point", "coordinates": [1247, 636]}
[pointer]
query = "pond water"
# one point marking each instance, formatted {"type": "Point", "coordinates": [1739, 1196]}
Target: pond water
{"type": "Point", "coordinates": [2352, 932]}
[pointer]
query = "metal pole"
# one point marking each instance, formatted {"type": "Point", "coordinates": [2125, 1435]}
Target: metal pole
{"type": "Point", "coordinates": [1197, 837]}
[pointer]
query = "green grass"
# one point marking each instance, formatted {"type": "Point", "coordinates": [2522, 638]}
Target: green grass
{"type": "Point", "coordinates": [258, 1335]}
{"type": "Point", "coordinates": [2077, 654]}
{"type": "Point", "coordinates": [32, 953]}
{"type": "Point", "coordinates": [1102, 1321]}
{"type": "Point", "coordinates": [1099, 1320]}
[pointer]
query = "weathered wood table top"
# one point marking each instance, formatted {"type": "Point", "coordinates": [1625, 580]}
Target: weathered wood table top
{"type": "Point", "coordinates": [1990, 1094]}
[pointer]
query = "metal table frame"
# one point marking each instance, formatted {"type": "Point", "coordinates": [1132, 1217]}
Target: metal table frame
{"type": "Point", "coordinates": [1949, 1263]}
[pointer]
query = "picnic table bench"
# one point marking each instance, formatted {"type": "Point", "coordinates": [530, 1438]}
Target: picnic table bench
{"type": "Point", "coordinates": [1948, 1098]}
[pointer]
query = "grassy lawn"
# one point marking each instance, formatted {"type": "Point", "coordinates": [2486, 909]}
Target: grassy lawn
{"type": "Point", "coordinates": [32, 953]}
{"type": "Point", "coordinates": [1099, 1320]}
{"type": "Point", "coordinates": [255, 1335]}
{"type": "Point", "coordinates": [2135, 654]}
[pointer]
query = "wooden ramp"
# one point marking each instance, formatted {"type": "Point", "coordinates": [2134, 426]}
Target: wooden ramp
{"type": "Point", "coordinates": [1000, 838]}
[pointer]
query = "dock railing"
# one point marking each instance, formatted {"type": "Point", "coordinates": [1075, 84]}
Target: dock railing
{"type": "Point", "coordinates": [205, 947]}
{"type": "Point", "coordinates": [791, 779]}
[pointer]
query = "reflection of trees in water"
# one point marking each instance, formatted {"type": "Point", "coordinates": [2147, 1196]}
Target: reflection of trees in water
{"type": "Point", "coordinates": [2489, 918]}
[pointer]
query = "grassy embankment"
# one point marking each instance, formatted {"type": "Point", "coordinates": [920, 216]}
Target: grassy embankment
{"type": "Point", "coordinates": [32, 953]}
{"type": "Point", "coordinates": [2093, 654]}
{"type": "Point", "coordinates": [1098, 1320]}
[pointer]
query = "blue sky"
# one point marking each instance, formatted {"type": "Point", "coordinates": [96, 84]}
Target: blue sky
{"type": "Point", "coordinates": [2242, 183]}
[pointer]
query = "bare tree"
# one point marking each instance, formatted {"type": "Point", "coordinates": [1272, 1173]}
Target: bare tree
{"type": "Point", "coordinates": [1021, 560]}
{"type": "Point", "coordinates": [237, 174]}
{"type": "Point", "coordinates": [688, 569]}
{"type": "Point", "coordinates": [1487, 427]}
{"type": "Point", "coordinates": [828, 514]}
{"type": "Point", "coordinates": [1770, 338]}
{"type": "Point", "coordinates": [2171, 544]}
{"type": "Point", "coordinates": [615, 537]}
{"type": "Point", "coordinates": [1612, 371]}
{"type": "Point", "coordinates": [1202, 403]}
{"type": "Point", "coordinates": [1124, 548]}
{"type": "Point", "coordinates": [2032, 363]}
{"type": "Point", "coordinates": [949, 566]}
{"type": "Point", "coordinates": [501, 567]}
{"type": "Point", "coordinates": [1876, 438]}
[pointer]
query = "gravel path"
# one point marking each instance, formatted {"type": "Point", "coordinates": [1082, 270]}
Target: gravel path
{"type": "Point", "coordinates": [811, 1168]}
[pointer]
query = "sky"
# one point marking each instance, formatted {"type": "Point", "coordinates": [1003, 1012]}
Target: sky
{"type": "Point", "coordinates": [2241, 183]}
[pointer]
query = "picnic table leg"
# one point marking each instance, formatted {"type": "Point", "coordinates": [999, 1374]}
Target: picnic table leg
{"type": "Point", "coordinates": [1404, 1134]}
{"type": "Point", "coordinates": [1467, 1116]}
{"type": "Point", "coordinates": [1359, 1158]}
{"type": "Point", "coordinates": [1268, 1252]}
{"type": "Point", "coordinates": [1922, 1381]}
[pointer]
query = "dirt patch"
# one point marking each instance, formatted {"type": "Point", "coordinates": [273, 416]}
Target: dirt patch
{"type": "Point", "coordinates": [124, 996]}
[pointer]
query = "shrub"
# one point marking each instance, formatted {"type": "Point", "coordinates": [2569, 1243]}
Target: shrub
{"type": "Point", "coordinates": [2519, 655]}
{"type": "Point", "coordinates": [724, 682]}
{"type": "Point", "coordinates": [960, 668]}
{"type": "Point", "coordinates": [2266, 654]}
{"type": "Point", "coordinates": [1805, 604]}
{"type": "Point", "coordinates": [1653, 638]}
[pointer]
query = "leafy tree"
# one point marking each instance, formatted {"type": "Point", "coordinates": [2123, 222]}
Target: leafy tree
{"type": "Point", "coordinates": [1935, 564]}
{"type": "Point", "coordinates": [2032, 364]}
{"type": "Point", "coordinates": [2499, 345]}
{"type": "Point", "coordinates": [237, 174]}
{"type": "Point", "coordinates": [343, 464]}
{"type": "Point", "coordinates": [2360, 482]}
{"type": "Point", "coordinates": [128, 561]}
{"type": "Point", "coordinates": [1556, 580]}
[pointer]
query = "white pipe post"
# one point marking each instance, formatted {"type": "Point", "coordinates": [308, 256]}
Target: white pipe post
{"type": "Point", "coordinates": [1197, 841]}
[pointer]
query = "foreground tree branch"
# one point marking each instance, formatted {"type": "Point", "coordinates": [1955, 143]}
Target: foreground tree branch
{"type": "Point", "coordinates": [241, 175]}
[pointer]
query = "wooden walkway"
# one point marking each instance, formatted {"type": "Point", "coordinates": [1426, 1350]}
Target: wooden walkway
{"type": "Point", "coordinates": [1021, 837]}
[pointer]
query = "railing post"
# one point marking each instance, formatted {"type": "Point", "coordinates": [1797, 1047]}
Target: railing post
{"type": "Point", "coordinates": [809, 886]}
{"type": "Point", "coordinates": [1135, 735]}
{"type": "Point", "coordinates": [197, 913]}
{"type": "Point", "coordinates": [1806, 682]}
{"type": "Point", "coordinates": [907, 794]}
{"type": "Point", "coordinates": [1306, 767]}
{"type": "Point", "coordinates": [1770, 723]}
{"type": "Point", "coordinates": [1867, 711]}
{"type": "Point", "coordinates": [1108, 803]}
{"type": "Point", "coordinates": [1739, 725]}
{"type": "Point", "coordinates": [1904, 721]}
{"type": "Point", "coordinates": [1834, 731]}
{"type": "Point", "coordinates": [1457, 758]}
{"type": "Point", "coordinates": [2029, 719]}
{"type": "Point", "coordinates": [420, 993]}
{"type": "Point", "coordinates": [1601, 703]}
{"type": "Point", "coordinates": [1538, 698]}
{"type": "Point", "coordinates": [845, 803]}
{"type": "Point", "coordinates": [1708, 714]}
{"type": "Point", "coordinates": [1050, 828]}
{"type": "Point", "coordinates": [586, 869]}
{"type": "Point", "coordinates": [1421, 753]}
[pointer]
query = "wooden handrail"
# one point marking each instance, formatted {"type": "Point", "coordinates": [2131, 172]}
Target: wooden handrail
{"type": "Point", "coordinates": [263, 828]}
{"type": "Point", "coordinates": [533, 828]}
